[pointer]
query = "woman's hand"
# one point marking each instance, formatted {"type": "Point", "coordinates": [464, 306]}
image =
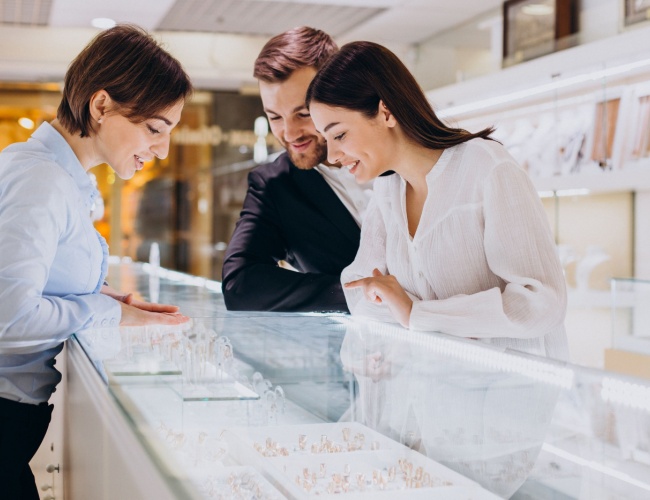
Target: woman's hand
{"type": "Point", "coordinates": [135, 316]}
{"type": "Point", "coordinates": [128, 298]}
{"type": "Point", "coordinates": [377, 367]}
{"type": "Point", "coordinates": [385, 289]}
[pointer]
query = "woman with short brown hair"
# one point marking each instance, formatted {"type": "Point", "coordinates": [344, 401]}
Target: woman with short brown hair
{"type": "Point", "coordinates": [123, 95]}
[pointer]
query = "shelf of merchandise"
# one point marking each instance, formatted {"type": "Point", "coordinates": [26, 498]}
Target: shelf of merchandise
{"type": "Point", "coordinates": [630, 178]}
{"type": "Point", "coordinates": [589, 73]}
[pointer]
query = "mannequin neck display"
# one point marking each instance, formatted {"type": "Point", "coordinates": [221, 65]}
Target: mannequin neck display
{"type": "Point", "coordinates": [594, 257]}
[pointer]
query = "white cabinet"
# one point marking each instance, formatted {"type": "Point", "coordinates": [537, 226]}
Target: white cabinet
{"type": "Point", "coordinates": [103, 459]}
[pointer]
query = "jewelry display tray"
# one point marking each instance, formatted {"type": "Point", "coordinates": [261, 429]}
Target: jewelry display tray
{"type": "Point", "coordinates": [243, 481]}
{"type": "Point", "coordinates": [285, 471]}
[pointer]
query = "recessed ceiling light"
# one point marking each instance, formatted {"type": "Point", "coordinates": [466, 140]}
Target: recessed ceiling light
{"type": "Point", "coordinates": [103, 22]}
{"type": "Point", "coordinates": [26, 123]}
{"type": "Point", "coordinates": [537, 9]}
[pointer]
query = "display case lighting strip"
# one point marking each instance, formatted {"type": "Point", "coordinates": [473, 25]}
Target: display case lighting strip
{"type": "Point", "coordinates": [480, 355]}
{"type": "Point", "coordinates": [603, 469]}
{"type": "Point", "coordinates": [625, 393]}
{"type": "Point", "coordinates": [541, 89]}
{"type": "Point", "coordinates": [500, 361]}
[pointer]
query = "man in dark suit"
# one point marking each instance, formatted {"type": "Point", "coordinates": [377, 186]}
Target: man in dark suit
{"type": "Point", "coordinates": [298, 209]}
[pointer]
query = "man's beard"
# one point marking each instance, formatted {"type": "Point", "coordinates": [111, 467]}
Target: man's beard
{"type": "Point", "coordinates": [313, 157]}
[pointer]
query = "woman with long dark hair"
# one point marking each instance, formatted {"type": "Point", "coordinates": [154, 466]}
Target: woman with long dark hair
{"type": "Point", "coordinates": [456, 239]}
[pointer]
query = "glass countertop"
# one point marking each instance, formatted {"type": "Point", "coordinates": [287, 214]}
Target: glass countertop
{"type": "Point", "coordinates": [279, 405]}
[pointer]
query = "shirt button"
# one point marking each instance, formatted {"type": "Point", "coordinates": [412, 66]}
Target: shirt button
{"type": "Point", "coordinates": [104, 322]}
{"type": "Point", "coordinates": [421, 274]}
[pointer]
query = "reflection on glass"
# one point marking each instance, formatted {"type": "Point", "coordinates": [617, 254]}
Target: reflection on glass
{"type": "Point", "coordinates": [485, 420]}
{"type": "Point", "coordinates": [350, 408]}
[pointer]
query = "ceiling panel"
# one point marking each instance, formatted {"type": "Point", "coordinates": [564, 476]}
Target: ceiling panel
{"type": "Point", "coordinates": [25, 12]}
{"type": "Point", "coordinates": [218, 40]}
{"type": "Point", "coordinates": [263, 17]}
{"type": "Point", "coordinates": [383, 21]}
{"type": "Point", "coordinates": [79, 13]}
{"type": "Point", "coordinates": [415, 21]}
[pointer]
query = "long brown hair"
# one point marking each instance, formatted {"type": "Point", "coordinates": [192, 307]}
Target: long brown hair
{"type": "Point", "coordinates": [362, 74]}
{"type": "Point", "coordinates": [125, 61]}
{"type": "Point", "coordinates": [297, 48]}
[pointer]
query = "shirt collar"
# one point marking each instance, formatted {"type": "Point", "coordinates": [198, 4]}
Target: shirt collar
{"type": "Point", "coordinates": [333, 172]}
{"type": "Point", "coordinates": [327, 168]}
{"type": "Point", "coordinates": [66, 159]}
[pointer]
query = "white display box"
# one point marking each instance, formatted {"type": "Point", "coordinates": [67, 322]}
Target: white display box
{"type": "Point", "coordinates": [313, 460]}
{"type": "Point", "coordinates": [237, 483]}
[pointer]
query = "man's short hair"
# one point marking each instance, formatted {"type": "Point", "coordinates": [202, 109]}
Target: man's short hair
{"type": "Point", "coordinates": [297, 48]}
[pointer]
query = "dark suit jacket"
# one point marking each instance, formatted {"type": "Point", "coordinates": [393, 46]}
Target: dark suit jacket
{"type": "Point", "coordinates": [293, 215]}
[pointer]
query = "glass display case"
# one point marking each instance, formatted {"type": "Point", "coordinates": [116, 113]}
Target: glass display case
{"type": "Point", "coordinates": [630, 313]}
{"type": "Point", "coordinates": [630, 341]}
{"type": "Point", "coordinates": [273, 405]}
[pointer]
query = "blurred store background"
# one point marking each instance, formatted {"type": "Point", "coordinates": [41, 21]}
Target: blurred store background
{"type": "Point", "coordinates": [566, 82]}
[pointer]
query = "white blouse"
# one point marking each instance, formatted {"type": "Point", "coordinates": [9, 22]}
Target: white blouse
{"type": "Point", "coordinates": [482, 263]}
{"type": "Point", "coordinates": [353, 195]}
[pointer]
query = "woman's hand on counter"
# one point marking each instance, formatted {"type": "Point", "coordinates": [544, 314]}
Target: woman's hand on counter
{"type": "Point", "coordinates": [135, 316]}
{"type": "Point", "coordinates": [385, 289]}
{"type": "Point", "coordinates": [149, 306]}
{"type": "Point", "coordinates": [128, 298]}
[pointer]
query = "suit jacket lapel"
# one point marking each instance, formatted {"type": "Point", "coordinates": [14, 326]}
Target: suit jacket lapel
{"type": "Point", "coordinates": [316, 189]}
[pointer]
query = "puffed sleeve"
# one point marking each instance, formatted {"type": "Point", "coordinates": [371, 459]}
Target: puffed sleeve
{"type": "Point", "coordinates": [371, 255]}
{"type": "Point", "coordinates": [519, 249]}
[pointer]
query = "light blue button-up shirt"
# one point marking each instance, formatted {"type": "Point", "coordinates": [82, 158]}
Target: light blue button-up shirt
{"type": "Point", "coordinates": [52, 262]}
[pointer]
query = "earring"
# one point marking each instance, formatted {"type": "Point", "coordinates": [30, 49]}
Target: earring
{"type": "Point", "coordinates": [99, 120]}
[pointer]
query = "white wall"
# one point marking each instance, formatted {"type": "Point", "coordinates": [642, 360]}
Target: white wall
{"type": "Point", "coordinates": [471, 49]}
{"type": "Point", "coordinates": [599, 19]}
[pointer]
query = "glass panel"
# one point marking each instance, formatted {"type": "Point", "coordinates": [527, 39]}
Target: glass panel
{"type": "Point", "coordinates": [365, 409]}
{"type": "Point", "coordinates": [631, 314]}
